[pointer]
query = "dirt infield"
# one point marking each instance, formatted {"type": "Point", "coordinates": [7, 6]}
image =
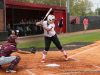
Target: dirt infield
{"type": "Point", "coordinates": [82, 61]}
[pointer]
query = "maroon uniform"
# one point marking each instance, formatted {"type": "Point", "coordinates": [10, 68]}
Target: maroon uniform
{"type": "Point", "coordinates": [6, 50]}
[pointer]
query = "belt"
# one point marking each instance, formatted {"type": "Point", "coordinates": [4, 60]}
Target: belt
{"type": "Point", "coordinates": [51, 36]}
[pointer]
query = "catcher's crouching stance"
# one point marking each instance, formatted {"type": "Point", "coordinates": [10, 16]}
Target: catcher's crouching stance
{"type": "Point", "coordinates": [5, 52]}
{"type": "Point", "coordinates": [50, 35]}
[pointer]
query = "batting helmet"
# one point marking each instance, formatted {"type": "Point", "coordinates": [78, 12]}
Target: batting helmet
{"type": "Point", "coordinates": [11, 39]}
{"type": "Point", "coordinates": [50, 18]}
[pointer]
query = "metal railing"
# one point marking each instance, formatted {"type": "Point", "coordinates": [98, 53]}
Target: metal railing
{"type": "Point", "coordinates": [33, 28]}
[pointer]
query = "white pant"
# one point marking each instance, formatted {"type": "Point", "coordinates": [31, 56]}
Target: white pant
{"type": "Point", "coordinates": [86, 26]}
{"type": "Point", "coordinates": [6, 60]}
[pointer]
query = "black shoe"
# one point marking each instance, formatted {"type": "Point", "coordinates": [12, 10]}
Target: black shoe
{"type": "Point", "coordinates": [0, 67]}
{"type": "Point", "coordinates": [11, 71]}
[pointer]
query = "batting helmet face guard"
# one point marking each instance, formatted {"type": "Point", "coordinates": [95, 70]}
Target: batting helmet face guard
{"type": "Point", "coordinates": [12, 39]}
{"type": "Point", "coordinates": [50, 18]}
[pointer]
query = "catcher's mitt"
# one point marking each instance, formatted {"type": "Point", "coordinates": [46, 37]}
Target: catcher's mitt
{"type": "Point", "coordinates": [32, 49]}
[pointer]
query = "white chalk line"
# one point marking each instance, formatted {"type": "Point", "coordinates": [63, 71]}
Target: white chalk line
{"type": "Point", "coordinates": [72, 56]}
{"type": "Point", "coordinates": [95, 66]}
{"type": "Point", "coordinates": [83, 51]}
{"type": "Point", "coordinates": [30, 72]}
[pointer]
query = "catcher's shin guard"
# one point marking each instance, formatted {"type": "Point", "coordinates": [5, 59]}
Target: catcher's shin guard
{"type": "Point", "coordinates": [15, 62]}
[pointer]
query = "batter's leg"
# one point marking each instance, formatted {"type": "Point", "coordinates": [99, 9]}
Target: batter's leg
{"type": "Point", "coordinates": [58, 45]}
{"type": "Point", "coordinates": [47, 46]}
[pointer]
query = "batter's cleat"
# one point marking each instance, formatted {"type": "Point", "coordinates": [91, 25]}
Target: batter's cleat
{"type": "Point", "coordinates": [10, 71]}
{"type": "Point", "coordinates": [66, 57]}
{"type": "Point", "coordinates": [43, 60]}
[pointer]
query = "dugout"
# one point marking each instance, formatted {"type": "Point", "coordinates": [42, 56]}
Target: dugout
{"type": "Point", "coordinates": [15, 11]}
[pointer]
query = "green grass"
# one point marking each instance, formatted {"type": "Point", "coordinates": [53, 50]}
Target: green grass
{"type": "Point", "coordinates": [89, 37]}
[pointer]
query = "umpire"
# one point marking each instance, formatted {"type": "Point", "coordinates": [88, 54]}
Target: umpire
{"type": "Point", "coordinates": [50, 35]}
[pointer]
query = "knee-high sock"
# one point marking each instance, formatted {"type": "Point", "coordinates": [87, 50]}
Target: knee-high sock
{"type": "Point", "coordinates": [44, 54]}
{"type": "Point", "coordinates": [63, 51]}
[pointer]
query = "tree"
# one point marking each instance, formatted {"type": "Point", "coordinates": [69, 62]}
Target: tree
{"type": "Point", "coordinates": [81, 7]}
{"type": "Point", "coordinates": [96, 11]}
{"type": "Point", "coordinates": [77, 7]}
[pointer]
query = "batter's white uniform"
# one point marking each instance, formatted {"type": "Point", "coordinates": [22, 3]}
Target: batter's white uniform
{"type": "Point", "coordinates": [51, 26]}
{"type": "Point", "coordinates": [51, 36]}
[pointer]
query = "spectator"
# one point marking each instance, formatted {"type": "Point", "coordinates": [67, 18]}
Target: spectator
{"type": "Point", "coordinates": [22, 21]}
{"type": "Point", "coordinates": [60, 24]}
{"type": "Point", "coordinates": [30, 21]}
{"type": "Point", "coordinates": [34, 21]}
{"type": "Point", "coordinates": [25, 21]}
{"type": "Point", "coordinates": [8, 29]}
{"type": "Point", "coordinates": [85, 22]}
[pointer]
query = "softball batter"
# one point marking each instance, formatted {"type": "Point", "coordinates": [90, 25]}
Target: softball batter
{"type": "Point", "coordinates": [5, 52]}
{"type": "Point", "coordinates": [50, 35]}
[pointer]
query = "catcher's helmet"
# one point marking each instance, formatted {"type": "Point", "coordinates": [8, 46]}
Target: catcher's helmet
{"type": "Point", "coordinates": [11, 39]}
{"type": "Point", "coordinates": [50, 18]}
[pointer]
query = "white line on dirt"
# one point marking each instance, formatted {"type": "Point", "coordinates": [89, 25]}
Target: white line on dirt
{"type": "Point", "coordinates": [83, 51]}
{"type": "Point", "coordinates": [30, 72]}
{"type": "Point", "coordinates": [95, 66]}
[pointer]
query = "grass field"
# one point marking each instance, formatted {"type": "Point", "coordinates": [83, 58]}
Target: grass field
{"type": "Point", "coordinates": [89, 37]}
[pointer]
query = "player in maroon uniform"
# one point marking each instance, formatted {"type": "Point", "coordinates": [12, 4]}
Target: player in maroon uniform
{"type": "Point", "coordinates": [5, 52]}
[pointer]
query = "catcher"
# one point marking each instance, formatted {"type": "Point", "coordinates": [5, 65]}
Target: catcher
{"type": "Point", "coordinates": [7, 49]}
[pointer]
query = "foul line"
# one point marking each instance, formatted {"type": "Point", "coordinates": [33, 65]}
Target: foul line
{"type": "Point", "coordinates": [95, 66]}
{"type": "Point", "coordinates": [83, 51]}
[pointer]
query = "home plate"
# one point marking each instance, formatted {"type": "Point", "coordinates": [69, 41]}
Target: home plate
{"type": "Point", "coordinates": [52, 65]}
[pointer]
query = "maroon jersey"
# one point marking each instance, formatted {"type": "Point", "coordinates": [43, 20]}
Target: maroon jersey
{"type": "Point", "coordinates": [6, 50]}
